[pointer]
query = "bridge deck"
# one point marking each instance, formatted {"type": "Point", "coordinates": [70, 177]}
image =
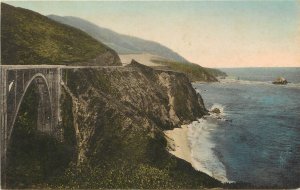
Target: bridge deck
{"type": "Point", "coordinates": [52, 66]}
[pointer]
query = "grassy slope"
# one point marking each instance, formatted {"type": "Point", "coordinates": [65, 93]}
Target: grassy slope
{"type": "Point", "coordinates": [30, 38]}
{"type": "Point", "coordinates": [193, 71]}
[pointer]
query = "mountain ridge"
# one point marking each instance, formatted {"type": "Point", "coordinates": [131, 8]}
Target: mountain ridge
{"type": "Point", "coordinates": [123, 44]}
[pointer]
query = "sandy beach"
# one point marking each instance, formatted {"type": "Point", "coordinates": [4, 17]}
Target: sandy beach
{"type": "Point", "coordinates": [180, 146]}
{"type": "Point", "coordinates": [178, 143]}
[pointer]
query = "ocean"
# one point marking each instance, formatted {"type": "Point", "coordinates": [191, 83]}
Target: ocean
{"type": "Point", "coordinates": [256, 137]}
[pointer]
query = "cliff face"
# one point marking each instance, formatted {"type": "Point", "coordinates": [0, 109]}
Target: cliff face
{"type": "Point", "coordinates": [118, 115]}
{"type": "Point", "coordinates": [137, 96]}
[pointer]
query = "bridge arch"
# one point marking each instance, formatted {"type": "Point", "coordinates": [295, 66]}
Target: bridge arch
{"type": "Point", "coordinates": [15, 82]}
{"type": "Point", "coordinates": [39, 77]}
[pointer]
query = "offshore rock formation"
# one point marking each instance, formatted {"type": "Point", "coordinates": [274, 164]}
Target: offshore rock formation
{"type": "Point", "coordinates": [216, 111]}
{"type": "Point", "coordinates": [118, 115]}
{"type": "Point", "coordinates": [280, 80]}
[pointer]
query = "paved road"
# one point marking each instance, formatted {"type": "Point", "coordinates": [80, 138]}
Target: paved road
{"type": "Point", "coordinates": [52, 66]}
{"type": "Point", "coordinates": [18, 67]}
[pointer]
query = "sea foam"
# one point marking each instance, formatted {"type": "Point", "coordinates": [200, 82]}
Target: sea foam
{"type": "Point", "coordinates": [202, 147]}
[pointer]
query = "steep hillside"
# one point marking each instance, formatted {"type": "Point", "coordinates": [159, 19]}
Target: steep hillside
{"type": "Point", "coordinates": [123, 44]}
{"type": "Point", "coordinates": [121, 143]}
{"type": "Point", "coordinates": [30, 38]}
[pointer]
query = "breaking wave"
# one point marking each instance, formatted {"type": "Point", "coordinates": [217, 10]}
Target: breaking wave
{"type": "Point", "coordinates": [202, 147]}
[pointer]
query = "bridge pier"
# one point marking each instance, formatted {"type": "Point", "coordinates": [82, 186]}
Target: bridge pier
{"type": "Point", "coordinates": [3, 122]}
{"type": "Point", "coordinates": [14, 82]}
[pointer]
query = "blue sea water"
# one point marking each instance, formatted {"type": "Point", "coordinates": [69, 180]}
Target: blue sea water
{"type": "Point", "coordinates": [256, 138]}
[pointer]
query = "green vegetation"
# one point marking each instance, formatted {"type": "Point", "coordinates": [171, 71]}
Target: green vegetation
{"type": "Point", "coordinates": [30, 38]}
{"type": "Point", "coordinates": [123, 174]}
{"type": "Point", "coordinates": [193, 71]}
{"type": "Point", "coordinates": [129, 158]}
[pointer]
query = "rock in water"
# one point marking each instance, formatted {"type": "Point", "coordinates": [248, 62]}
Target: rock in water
{"type": "Point", "coordinates": [280, 80]}
{"type": "Point", "coordinates": [216, 110]}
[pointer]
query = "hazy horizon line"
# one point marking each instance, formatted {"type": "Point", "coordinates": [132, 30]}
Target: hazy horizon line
{"type": "Point", "coordinates": [253, 67]}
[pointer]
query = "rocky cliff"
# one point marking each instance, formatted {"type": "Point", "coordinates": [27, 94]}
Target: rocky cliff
{"type": "Point", "coordinates": [136, 96]}
{"type": "Point", "coordinates": [118, 116]}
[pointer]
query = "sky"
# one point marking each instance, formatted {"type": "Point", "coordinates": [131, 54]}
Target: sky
{"type": "Point", "coordinates": [209, 33]}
